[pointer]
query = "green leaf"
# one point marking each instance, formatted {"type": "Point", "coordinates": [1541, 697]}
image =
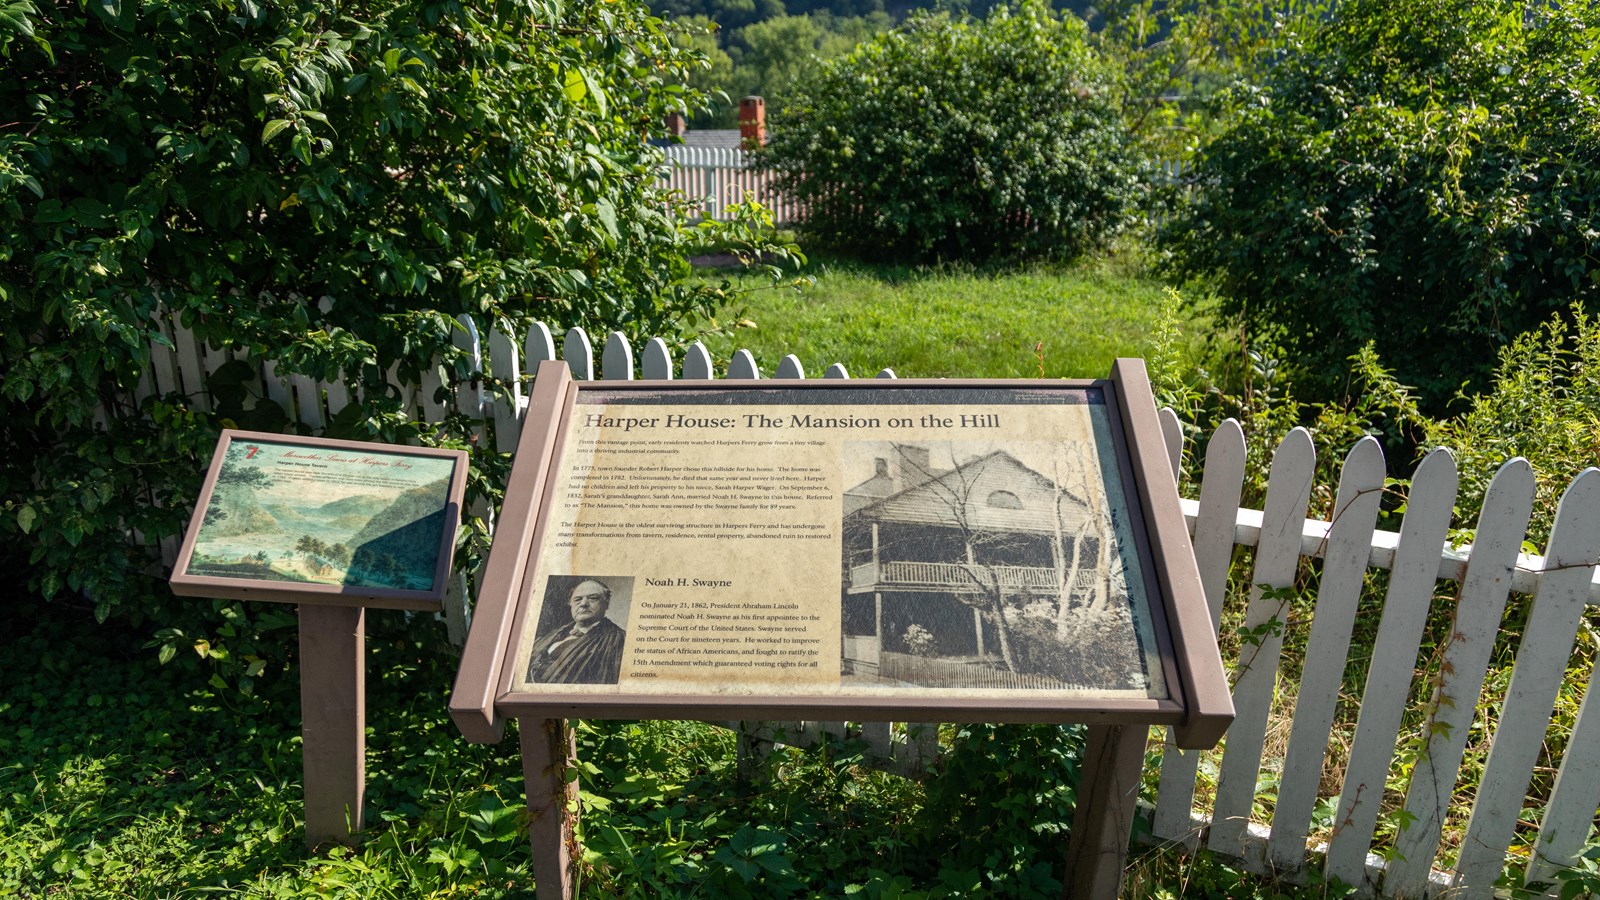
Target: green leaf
{"type": "Point", "coordinates": [595, 91]}
{"type": "Point", "coordinates": [577, 85]}
{"type": "Point", "coordinates": [607, 214]}
{"type": "Point", "coordinates": [25, 518]}
{"type": "Point", "coordinates": [273, 128]}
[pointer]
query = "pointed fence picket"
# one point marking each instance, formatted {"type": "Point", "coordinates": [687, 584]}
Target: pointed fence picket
{"type": "Point", "coordinates": [1558, 606]}
{"type": "Point", "coordinates": [1255, 674]}
{"type": "Point", "coordinates": [1213, 537]}
{"type": "Point", "coordinates": [489, 383]}
{"type": "Point", "coordinates": [1344, 569]}
{"type": "Point", "coordinates": [1465, 663]}
{"type": "Point", "coordinates": [1394, 654]}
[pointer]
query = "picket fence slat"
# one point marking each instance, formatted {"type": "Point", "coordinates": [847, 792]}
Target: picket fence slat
{"type": "Point", "coordinates": [1535, 678]}
{"type": "Point", "coordinates": [1221, 486]}
{"type": "Point", "coordinates": [405, 392]}
{"type": "Point", "coordinates": [1394, 655]}
{"type": "Point", "coordinates": [743, 365]}
{"type": "Point", "coordinates": [1344, 568]}
{"type": "Point", "coordinates": [539, 346]}
{"type": "Point", "coordinates": [307, 400]}
{"type": "Point", "coordinates": [579, 354]}
{"type": "Point", "coordinates": [505, 366]}
{"type": "Point", "coordinates": [789, 367]}
{"type": "Point", "coordinates": [430, 406]}
{"type": "Point", "coordinates": [191, 380]}
{"type": "Point", "coordinates": [469, 389]}
{"type": "Point", "coordinates": [836, 370]}
{"type": "Point", "coordinates": [657, 363]}
{"type": "Point", "coordinates": [211, 359]}
{"type": "Point", "coordinates": [1463, 666]}
{"type": "Point", "coordinates": [1172, 434]}
{"type": "Point", "coordinates": [697, 363]}
{"type": "Point", "coordinates": [616, 360]}
{"type": "Point", "coordinates": [276, 388]}
{"type": "Point", "coordinates": [1569, 819]}
{"type": "Point", "coordinates": [1255, 676]}
{"type": "Point", "coordinates": [337, 393]}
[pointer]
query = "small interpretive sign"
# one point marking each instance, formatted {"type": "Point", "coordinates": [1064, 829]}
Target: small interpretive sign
{"type": "Point", "coordinates": [972, 550]}
{"type": "Point", "coordinates": [315, 520]}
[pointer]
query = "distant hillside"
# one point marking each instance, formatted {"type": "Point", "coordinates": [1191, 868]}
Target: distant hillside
{"type": "Point", "coordinates": [361, 504]}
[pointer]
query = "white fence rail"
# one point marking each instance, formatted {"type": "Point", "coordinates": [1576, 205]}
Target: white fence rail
{"type": "Point", "coordinates": [1301, 772]}
{"type": "Point", "coordinates": [715, 178]}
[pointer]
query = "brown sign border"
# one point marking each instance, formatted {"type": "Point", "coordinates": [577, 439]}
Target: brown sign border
{"type": "Point", "coordinates": [187, 585]}
{"type": "Point", "coordinates": [1201, 706]}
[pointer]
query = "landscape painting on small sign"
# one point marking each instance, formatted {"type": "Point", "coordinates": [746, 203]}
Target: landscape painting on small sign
{"type": "Point", "coordinates": [313, 513]}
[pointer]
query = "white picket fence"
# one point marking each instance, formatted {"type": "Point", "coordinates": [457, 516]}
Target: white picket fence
{"type": "Point", "coordinates": [714, 178]}
{"type": "Point", "coordinates": [1482, 579]}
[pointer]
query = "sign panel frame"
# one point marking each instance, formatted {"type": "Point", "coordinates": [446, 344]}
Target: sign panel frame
{"type": "Point", "coordinates": [489, 688]}
{"type": "Point", "coordinates": [363, 469]}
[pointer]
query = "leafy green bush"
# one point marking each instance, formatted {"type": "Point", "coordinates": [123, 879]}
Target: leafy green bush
{"type": "Point", "coordinates": [959, 140]}
{"type": "Point", "coordinates": [327, 186]}
{"type": "Point", "coordinates": [1423, 174]}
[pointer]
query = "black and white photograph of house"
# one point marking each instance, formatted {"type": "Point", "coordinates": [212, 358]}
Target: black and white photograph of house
{"type": "Point", "coordinates": [970, 564]}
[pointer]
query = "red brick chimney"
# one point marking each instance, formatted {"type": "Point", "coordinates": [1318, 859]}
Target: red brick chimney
{"type": "Point", "coordinates": [752, 122]}
{"type": "Point", "coordinates": [676, 124]}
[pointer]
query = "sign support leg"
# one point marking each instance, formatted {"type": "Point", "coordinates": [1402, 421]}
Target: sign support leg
{"type": "Point", "coordinates": [549, 747]}
{"type": "Point", "coordinates": [333, 720]}
{"type": "Point", "coordinates": [1102, 824]}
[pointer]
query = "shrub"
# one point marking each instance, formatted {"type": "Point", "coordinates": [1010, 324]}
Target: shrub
{"type": "Point", "coordinates": [327, 186]}
{"type": "Point", "coordinates": [958, 139]}
{"type": "Point", "coordinates": [1423, 174]}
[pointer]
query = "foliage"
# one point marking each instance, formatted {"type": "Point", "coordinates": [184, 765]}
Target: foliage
{"type": "Point", "coordinates": [147, 781]}
{"type": "Point", "coordinates": [1421, 174]}
{"type": "Point", "coordinates": [1176, 59]}
{"type": "Point", "coordinates": [957, 139]}
{"type": "Point", "coordinates": [766, 57]}
{"type": "Point", "coordinates": [1003, 805]}
{"type": "Point", "coordinates": [1544, 405]}
{"type": "Point", "coordinates": [164, 785]}
{"type": "Point", "coordinates": [325, 186]}
{"type": "Point", "coordinates": [664, 809]}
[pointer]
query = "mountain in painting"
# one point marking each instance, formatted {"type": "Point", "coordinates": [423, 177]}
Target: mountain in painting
{"type": "Point", "coordinates": [234, 510]}
{"type": "Point", "coordinates": [399, 546]}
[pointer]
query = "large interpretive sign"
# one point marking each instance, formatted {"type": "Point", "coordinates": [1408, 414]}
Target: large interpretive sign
{"type": "Point", "coordinates": [311, 520]}
{"type": "Point", "coordinates": [970, 550]}
{"type": "Point", "coordinates": [786, 540]}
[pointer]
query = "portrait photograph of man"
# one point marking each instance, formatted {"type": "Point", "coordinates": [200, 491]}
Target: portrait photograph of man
{"type": "Point", "coordinates": [579, 640]}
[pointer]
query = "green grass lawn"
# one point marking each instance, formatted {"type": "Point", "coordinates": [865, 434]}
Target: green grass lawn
{"type": "Point", "coordinates": [949, 323]}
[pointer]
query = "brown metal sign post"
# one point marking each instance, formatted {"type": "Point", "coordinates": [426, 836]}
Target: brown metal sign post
{"type": "Point", "coordinates": [958, 551]}
{"type": "Point", "coordinates": [334, 527]}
